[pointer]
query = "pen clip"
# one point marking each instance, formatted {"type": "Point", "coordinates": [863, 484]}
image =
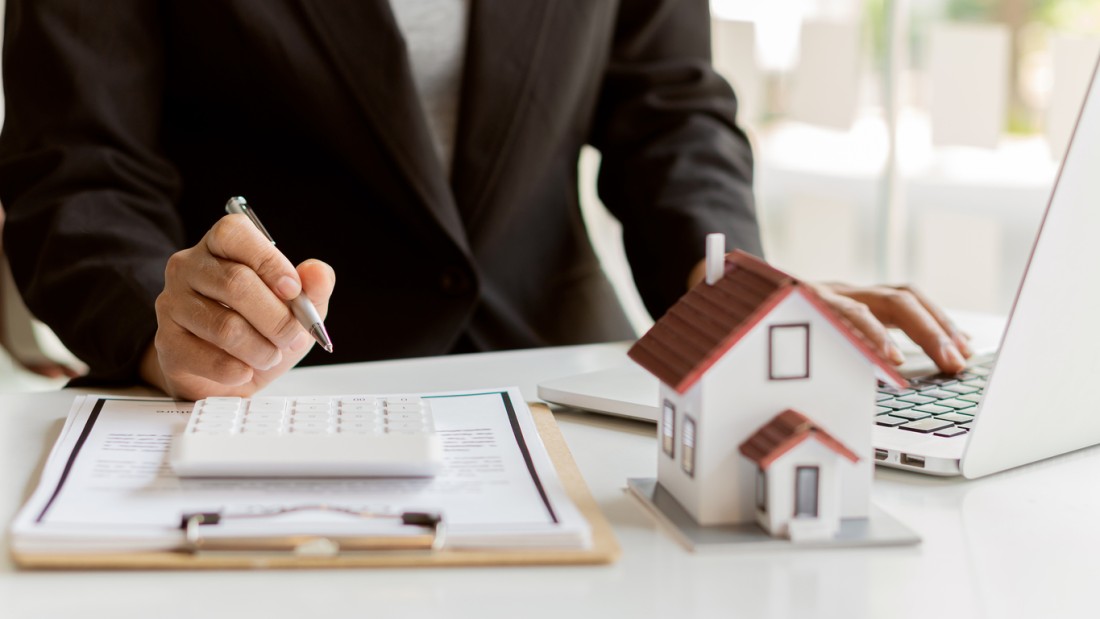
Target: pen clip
{"type": "Point", "coordinates": [237, 205]}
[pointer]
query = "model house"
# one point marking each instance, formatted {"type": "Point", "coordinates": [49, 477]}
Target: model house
{"type": "Point", "coordinates": [753, 357]}
{"type": "Point", "coordinates": [798, 476]}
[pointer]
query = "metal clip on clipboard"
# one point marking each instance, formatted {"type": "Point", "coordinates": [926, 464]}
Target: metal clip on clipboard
{"type": "Point", "coordinates": [314, 545]}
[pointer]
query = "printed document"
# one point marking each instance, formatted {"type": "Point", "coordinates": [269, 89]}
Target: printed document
{"type": "Point", "coordinates": [107, 485]}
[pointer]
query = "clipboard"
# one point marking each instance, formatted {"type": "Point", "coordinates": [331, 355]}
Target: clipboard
{"type": "Point", "coordinates": [415, 553]}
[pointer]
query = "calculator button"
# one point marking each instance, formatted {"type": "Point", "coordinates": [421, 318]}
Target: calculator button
{"type": "Point", "coordinates": [360, 408]}
{"type": "Point", "coordinates": [313, 400]}
{"type": "Point", "coordinates": [404, 399]}
{"type": "Point", "coordinates": [359, 401]}
{"type": "Point", "coordinates": [261, 425]}
{"type": "Point", "coordinates": [262, 429]}
{"type": "Point", "coordinates": [350, 417]}
{"type": "Point", "coordinates": [311, 408]}
{"type": "Point", "coordinates": [404, 408]}
{"type": "Point", "coordinates": [221, 403]}
{"type": "Point", "coordinates": [214, 428]}
{"type": "Point", "coordinates": [405, 425]}
{"type": "Point", "coordinates": [359, 429]}
{"type": "Point", "coordinates": [217, 414]}
{"type": "Point", "coordinates": [400, 417]}
{"type": "Point", "coordinates": [300, 417]}
{"type": "Point", "coordinates": [267, 405]}
{"type": "Point", "coordinates": [263, 417]}
{"type": "Point", "coordinates": [309, 430]}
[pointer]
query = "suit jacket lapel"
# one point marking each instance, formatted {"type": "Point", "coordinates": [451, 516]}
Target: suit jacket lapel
{"type": "Point", "coordinates": [367, 48]}
{"type": "Point", "coordinates": [506, 40]}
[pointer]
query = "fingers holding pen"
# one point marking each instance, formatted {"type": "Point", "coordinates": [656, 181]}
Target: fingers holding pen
{"type": "Point", "coordinates": [235, 238]}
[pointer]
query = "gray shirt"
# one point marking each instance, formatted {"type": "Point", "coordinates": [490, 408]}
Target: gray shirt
{"type": "Point", "coordinates": [435, 35]}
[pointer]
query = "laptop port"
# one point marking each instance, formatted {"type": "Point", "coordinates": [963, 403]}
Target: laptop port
{"type": "Point", "coordinates": [915, 461]}
{"type": "Point", "coordinates": [882, 454]}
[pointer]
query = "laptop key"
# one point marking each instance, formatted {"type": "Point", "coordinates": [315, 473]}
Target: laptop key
{"type": "Point", "coordinates": [965, 426]}
{"type": "Point", "coordinates": [890, 421]}
{"type": "Point", "coordinates": [936, 392]}
{"type": "Point", "coordinates": [896, 404]}
{"type": "Point", "coordinates": [956, 403]}
{"type": "Point", "coordinates": [961, 388]}
{"type": "Point", "coordinates": [882, 410]}
{"type": "Point", "coordinates": [883, 396]}
{"type": "Point", "coordinates": [912, 415]}
{"type": "Point", "coordinates": [949, 432]}
{"type": "Point", "coordinates": [971, 397]}
{"type": "Point", "coordinates": [917, 399]}
{"type": "Point", "coordinates": [895, 391]}
{"type": "Point", "coordinates": [934, 409]}
{"type": "Point", "coordinates": [937, 380]}
{"type": "Point", "coordinates": [980, 383]}
{"type": "Point", "coordinates": [956, 418]}
{"type": "Point", "coordinates": [926, 426]}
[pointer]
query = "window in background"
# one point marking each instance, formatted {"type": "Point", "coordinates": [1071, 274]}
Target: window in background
{"type": "Point", "coordinates": [861, 174]}
{"type": "Point", "coordinates": [967, 102]}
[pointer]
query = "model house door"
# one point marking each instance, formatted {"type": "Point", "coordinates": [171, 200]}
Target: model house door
{"type": "Point", "coordinates": [805, 492]}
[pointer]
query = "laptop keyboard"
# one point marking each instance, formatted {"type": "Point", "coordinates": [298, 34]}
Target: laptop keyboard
{"type": "Point", "coordinates": [939, 405]}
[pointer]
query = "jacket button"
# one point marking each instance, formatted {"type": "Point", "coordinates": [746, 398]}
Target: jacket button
{"type": "Point", "coordinates": [454, 281]}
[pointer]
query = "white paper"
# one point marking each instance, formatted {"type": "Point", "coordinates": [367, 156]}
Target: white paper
{"type": "Point", "coordinates": [119, 493]}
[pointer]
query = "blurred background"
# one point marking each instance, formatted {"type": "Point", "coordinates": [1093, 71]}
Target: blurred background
{"type": "Point", "coordinates": [896, 141]}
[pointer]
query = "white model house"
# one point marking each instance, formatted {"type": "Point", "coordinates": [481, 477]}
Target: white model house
{"type": "Point", "coordinates": [732, 355]}
{"type": "Point", "coordinates": [798, 477]}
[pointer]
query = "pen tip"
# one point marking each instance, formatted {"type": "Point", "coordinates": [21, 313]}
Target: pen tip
{"type": "Point", "coordinates": [328, 348]}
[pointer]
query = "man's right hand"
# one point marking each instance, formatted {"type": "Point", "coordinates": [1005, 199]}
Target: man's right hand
{"type": "Point", "coordinates": [223, 324]}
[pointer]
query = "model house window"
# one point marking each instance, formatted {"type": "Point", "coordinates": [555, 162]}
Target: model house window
{"type": "Point", "coordinates": [761, 490]}
{"type": "Point", "coordinates": [668, 429]}
{"type": "Point", "coordinates": [789, 351]}
{"type": "Point", "coordinates": [805, 492]}
{"type": "Point", "coordinates": [687, 454]}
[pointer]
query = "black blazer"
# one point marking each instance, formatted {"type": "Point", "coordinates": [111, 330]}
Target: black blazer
{"type": "Point", "coordinates": [130, 123]}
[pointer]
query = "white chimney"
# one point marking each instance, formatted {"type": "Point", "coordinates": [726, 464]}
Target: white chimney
{"type": "Point", "coordinates": [716, 257]}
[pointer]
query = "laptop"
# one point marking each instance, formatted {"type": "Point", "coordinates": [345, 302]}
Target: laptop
{"type": "Point", "coordinates": [1033, 399]}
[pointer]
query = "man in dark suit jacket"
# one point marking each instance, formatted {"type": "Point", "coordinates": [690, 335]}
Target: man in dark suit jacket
{"type": "Point", "coordinates": [130, 123]}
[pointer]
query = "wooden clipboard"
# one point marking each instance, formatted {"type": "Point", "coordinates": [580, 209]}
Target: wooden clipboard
{"type": "Point", "coordinates": [605, 548]}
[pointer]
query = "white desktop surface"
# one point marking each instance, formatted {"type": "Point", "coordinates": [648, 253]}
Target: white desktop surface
{"type": "Point", "coordinates": [1019, 544]}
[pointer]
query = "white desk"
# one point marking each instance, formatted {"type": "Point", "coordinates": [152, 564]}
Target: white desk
{"type": "Point", "coordinates": [1019, 544]}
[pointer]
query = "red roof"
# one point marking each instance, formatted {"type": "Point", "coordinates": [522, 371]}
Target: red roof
{"type": "Point", "coordinates": [783, 433]}
{"type": "Point", "coordinates": [710, 319]}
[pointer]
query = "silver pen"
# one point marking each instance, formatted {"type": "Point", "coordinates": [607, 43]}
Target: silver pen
{"type": "Point", "coordinates": [301, 306]}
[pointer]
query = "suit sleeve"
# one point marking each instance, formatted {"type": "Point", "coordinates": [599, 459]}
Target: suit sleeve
{"type": "Point", "coordinates": [675, 165]}
{"type": "Point", "coordinates": [88, 193]}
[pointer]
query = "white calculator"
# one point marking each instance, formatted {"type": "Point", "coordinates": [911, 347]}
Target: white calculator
{"type": "Point", "coordinates": [317, 436]}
